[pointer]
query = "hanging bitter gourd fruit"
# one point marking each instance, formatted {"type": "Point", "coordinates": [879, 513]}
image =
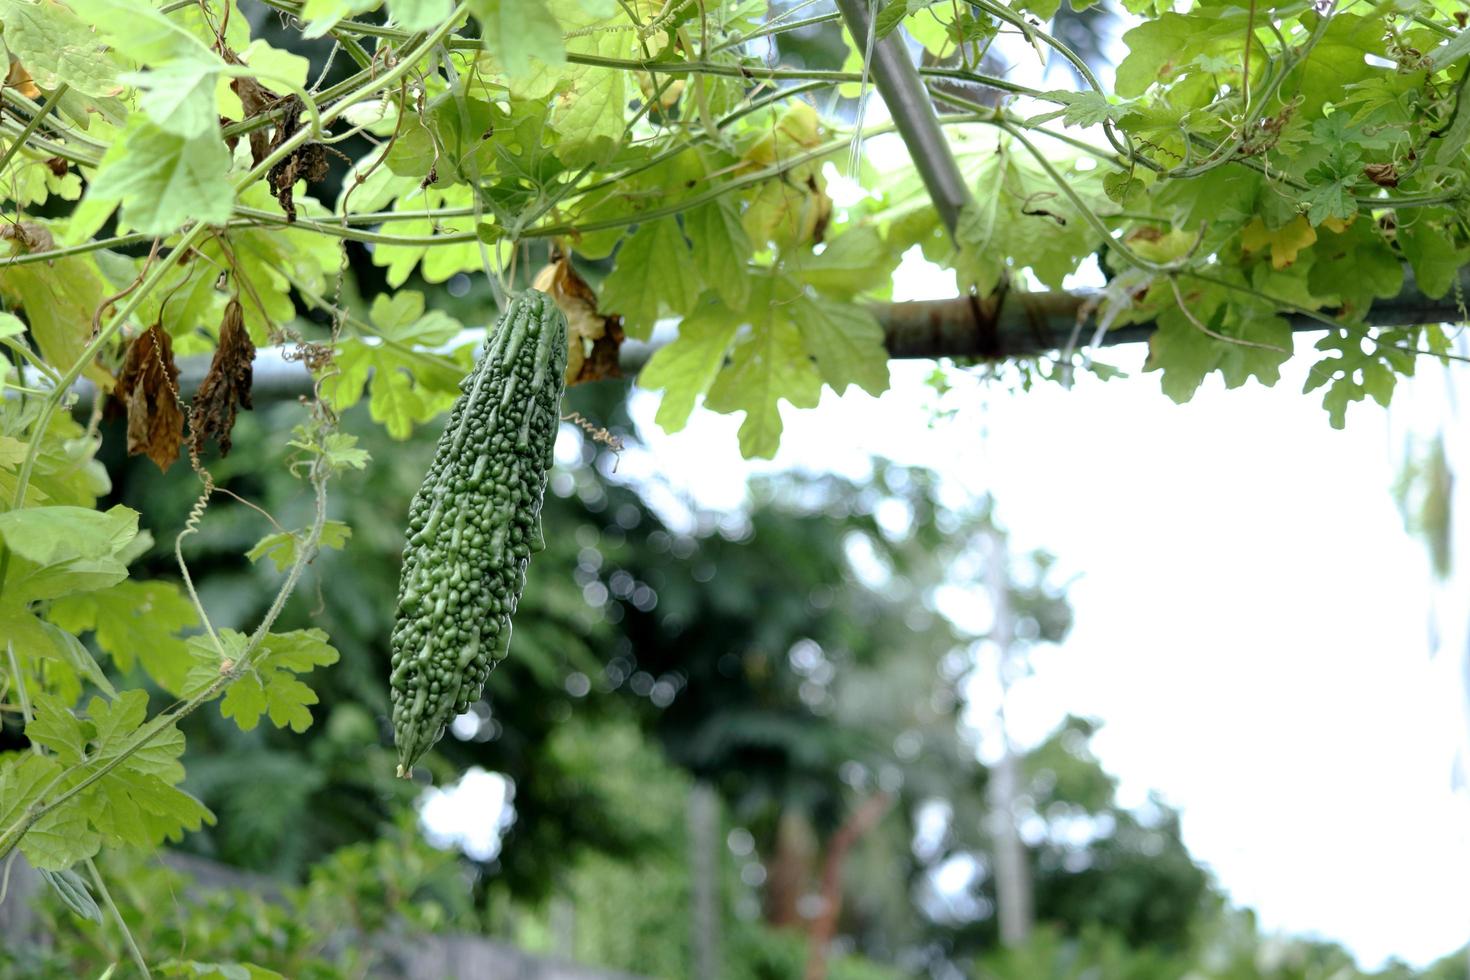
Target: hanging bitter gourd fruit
{"type": "Point", "coordinates": [474, 523]}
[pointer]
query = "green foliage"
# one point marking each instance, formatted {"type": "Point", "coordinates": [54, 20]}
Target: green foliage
{"type": "Point", "coordinates": [318, 931]}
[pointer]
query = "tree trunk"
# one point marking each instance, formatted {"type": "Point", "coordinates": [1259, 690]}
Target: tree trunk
{"type": "Point", "coordinates": [823, 928]}
{"type": "Point", "coordinates": [1012, 870]}
{"type": "Point", "coordinates": [703, 815]}
{"type": "Point", "coordinates": [789, 870]}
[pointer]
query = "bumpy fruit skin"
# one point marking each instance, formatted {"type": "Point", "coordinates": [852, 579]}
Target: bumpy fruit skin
{"type": "Point", "coordinates": [474, 524]}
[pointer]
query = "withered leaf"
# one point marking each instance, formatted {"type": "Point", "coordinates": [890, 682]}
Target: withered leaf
{"type": "Point", "coordinates": [226, 386]}
{"type": "Point", "coordinates": [1382, 174]}
{"type": "Point", "coordinates": [307, 162]}
{"type": "Point", "coordinates": [592, 339]}
{"type": "Point", "coordinates": [148, 385]}
{"type": "Point", "coordinates": [20, 80]}
{"type": "Point", "coordinates": [254, 99]}
{"type": "Point", "coordinates": [28, 236]}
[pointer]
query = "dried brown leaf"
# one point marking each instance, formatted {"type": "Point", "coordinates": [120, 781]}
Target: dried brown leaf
{"type": "Point", "coordinates": [226, 386]}
{"type": "Point", "coordinates": [254, 99]}
{"type": "Point", "coordinates": [307, 162]}
{"type": "Point", "coordinates": [592, 339]}
{"type": "Point", "coordinates": [20, 80]}
{"type": "Point", "coordinates": [1382, 174]}
{"type": "Point", "coordinates": [149, 386]}
{"type": "Point", "coordinates": [28, 236]}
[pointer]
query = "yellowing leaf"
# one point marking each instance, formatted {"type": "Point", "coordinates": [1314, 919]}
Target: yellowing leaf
{"type": "Point", "coordinates": [769, 365]}
{"type": "Point", "coordinates": [58, 299]}
{"type": "Point", "coordinates": [1285, 242]}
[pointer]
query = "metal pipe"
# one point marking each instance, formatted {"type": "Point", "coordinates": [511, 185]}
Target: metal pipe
{"type": "Point", "coordinates": [897, 80]}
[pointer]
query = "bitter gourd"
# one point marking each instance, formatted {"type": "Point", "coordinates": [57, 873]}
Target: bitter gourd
{"type": "Point", "coordinates": [474, 523]}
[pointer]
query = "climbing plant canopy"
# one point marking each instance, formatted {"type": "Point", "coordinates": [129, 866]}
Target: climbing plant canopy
{"type": "Point", "coordinates": [1255, 165]}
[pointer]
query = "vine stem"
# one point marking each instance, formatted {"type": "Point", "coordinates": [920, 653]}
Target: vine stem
{"type": "Point", "coordinates": [32, 126]}
{"type": "Point", "coordinates": [122, 924]}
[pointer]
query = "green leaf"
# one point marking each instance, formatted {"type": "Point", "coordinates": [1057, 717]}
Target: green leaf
{"type": "Point", "coordinates": [408, 385]}
{"type": "Point", "coordinates": [1354, 267]}
{"type": "Point", "coordinates": [1120, 185]}
{"type": "Point", "coordinates": [179, 98]}
{"type": "Point", "coordinates": [59, 839]}
{"type": "Point", "coordinates": [1017, 212]}
{"type": "Point", "coordinates": [281, 547]}
{"type": "Point", "coordinates": [1433, 255]}
{"type": "Point", "coordinates": [853, 262]}
{"type": "Point", "coordinates": [141, 32]}
{"type": "Point", "coordinates": [164, 180]}
{"type": "Point", "coordinates": [322, 15]}
{"type": "Point", "coordinates": [58, 299]}
{"type": "Point", "coordinates": [339, 449]}
{"type": "Point", "coordinates": [721, 249]}
{"type": "Point", "coordinates": [591, 115]}
{"type": "Point", "coordinates": [893, 14]}
{"type": "Point", "coordinates": [687, 367]}
{"type": "Point", "coordinates": [767, 366]}
{"type": "Point", "coordinates": [1043, 9]}
{"type": "Point", "coordinates": [11, 326]}
{"type": "Point", "coordinates": [847, 342]}
{"type": "Point", "coordinates": [69, 650]}
{"type": "Point", "coordinates": [276, 65]}
{"type": "Point", "coordinates": [400, 316]}
{"type": "Point", "coordinates": [1089, 108]}
{"type": "Point", "coordinates": [135, 622]}
{"type": "Point", "coordinates": [74, 893]}
{"type": "Point", "coordinates": [654, 270]}
{"type": "Point", "coordinates": [1330, 200]}
{"type": "Point", "coordinates": [270, 686]}
{"type": "Point", "coordinates": [1161, 48]}
{"type": "Point", "coordinates": [57, 46]}
{"type": "Point", "coordinates": [60, 549]}
{"type": "Point", "coordinates": [49, 535]}
{"type": "Point", "coordinates": [522, 37]}
{"type": "Point", "coordinates": [137, 802]}
{"type": "Point", "coordinates": [56, 728]}
{"type": "Point", "coordinates": [1187, 354]}
{"type": "Point", "coordinates": [420, 15]}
